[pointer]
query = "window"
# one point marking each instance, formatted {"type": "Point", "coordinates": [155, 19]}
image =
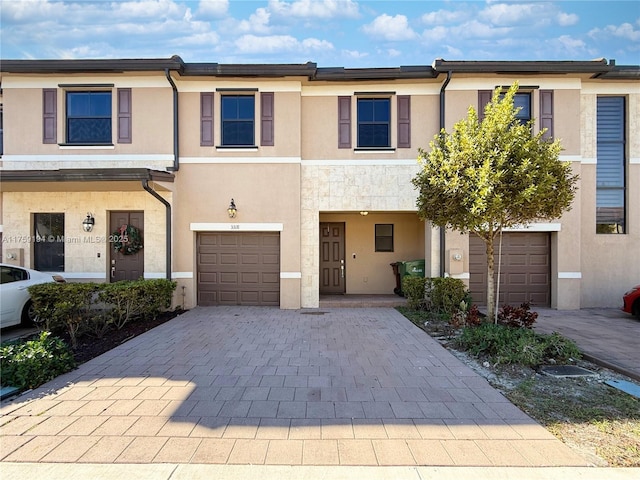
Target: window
{"type": "Point", "coordinates": [610, 168]}
{"type": "Point", "coordinates": [374, 122]}
{"type": "Point", "coordinates": [12, 274]}
{"type": "Point", "coordinates": [384, 237]}
{"type": "Point", "coordinates": [48, 248]}
{"type": "Point", "coordinates": [88, 117]}
{"type": "Point", "coordinates": [238, 118]}
{"type": "Point", "coordinates": [523, 101]}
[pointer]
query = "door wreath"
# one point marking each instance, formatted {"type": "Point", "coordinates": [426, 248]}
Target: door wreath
{"type": "Point", "coordinates": [127, 240]}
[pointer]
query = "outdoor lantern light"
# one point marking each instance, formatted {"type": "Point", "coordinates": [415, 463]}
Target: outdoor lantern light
{"type": "Point", "coordinates": [232, 210]}
{"type": "Point", "coordinates": [88, 223]}
{"type": "Point", "coordinates": [364, 213]}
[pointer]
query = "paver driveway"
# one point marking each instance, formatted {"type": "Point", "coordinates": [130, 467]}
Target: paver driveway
{"type": "Point", "coordinates": [250, 385]}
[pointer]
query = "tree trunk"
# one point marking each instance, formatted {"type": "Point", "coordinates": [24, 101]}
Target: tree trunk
{"type": "Point", "coordinates": [491, 285]}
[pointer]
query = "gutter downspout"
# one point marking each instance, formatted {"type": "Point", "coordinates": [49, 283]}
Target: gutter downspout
{"type": "Point", "coordinates": [176, 143]}
{"type": "Point", "coordinates": [442, 126]}
{"type": "Point", "coordinates": [145, 185]}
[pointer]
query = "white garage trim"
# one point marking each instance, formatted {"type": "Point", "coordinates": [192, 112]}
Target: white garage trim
{"type": "Point", "coordinates": [236, 227]}
{"type": "Point", "coordinates": [569, 274]}
{"type": "Point", "coordinates": [290, 275]}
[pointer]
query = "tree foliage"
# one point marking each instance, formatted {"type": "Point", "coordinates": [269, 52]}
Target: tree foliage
{"type": "Point", "coordinates": [488, 175]}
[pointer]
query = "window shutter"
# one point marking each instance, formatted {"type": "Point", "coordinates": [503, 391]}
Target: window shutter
{"type": "Point", "coordinates": [404, 121]}
{"type": "Point", "coordinates": [266, 119]}
{"type": "Point", "coordinates": [206, 119]}
{"type": "Point", "coordinates": [484, 97]}
{"type": "Point", "coordinates": [49, 115]}
{"type": "Point", "coordinates": [344, 122]}
{"type": "Point", "coordinates": [546, 113]}
{"type": "Point", "coordinates": [124, 115]}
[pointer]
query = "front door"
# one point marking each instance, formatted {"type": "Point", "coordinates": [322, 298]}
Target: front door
{"type": "Point", "coordinates": [122, 266]}
{"type": "Point", "coordinates": [332, 267]}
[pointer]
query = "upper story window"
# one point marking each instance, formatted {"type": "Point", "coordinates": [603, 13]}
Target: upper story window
{"type": "Point", "coordinates": [610, 167]}
{"type": "Point", "coordinates": [238, 120]}
{"type": "Point", "coordinates": [374, 122]}
{"type": "Point", "coordinates": [523, 102]}
{"type": "Point", "coordinates": [88, 117]}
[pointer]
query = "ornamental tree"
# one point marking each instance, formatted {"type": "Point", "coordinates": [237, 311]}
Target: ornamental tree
{"type": "Point", "coordinates": [488, 175]}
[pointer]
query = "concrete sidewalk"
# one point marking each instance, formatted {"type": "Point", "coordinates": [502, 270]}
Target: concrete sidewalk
{"type": "Point", "coordinates": [248, 385]}
{"type": "Point", "coordinates": [606, 336]}
{"type": "Point", "coordinates": [12, 471]}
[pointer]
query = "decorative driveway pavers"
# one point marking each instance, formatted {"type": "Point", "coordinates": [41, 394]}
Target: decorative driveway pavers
{"type": "Point", "coordinates": [249, 385]}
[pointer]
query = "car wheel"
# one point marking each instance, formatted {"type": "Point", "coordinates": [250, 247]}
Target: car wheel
{"type": "Point", "coordinates": [635, 308]}
{"type": "Point", "coordinates": [29, 317]}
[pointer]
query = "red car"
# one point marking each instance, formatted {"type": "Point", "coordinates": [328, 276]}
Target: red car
{"type": "Point", "coordinates": [632, 301]}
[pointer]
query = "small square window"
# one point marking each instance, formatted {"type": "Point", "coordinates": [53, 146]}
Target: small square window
{"type": "Point", "coordinates": [384, 237]}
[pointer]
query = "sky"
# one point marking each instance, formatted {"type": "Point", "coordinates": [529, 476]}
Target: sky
{"type": "Point", "coordinates": [345, 33]}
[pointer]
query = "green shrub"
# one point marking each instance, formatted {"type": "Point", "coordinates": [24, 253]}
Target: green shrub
{"type": "Point", "coordinates": [32, 363]}
{"type": "Point", "coordinates": [95, 307]}
{"type": "Point", "coordinates": [522, 346]}
{"type": "Point", "coordinates": [414, 289]}
{"type": "Point", "coordinates": [446, 294]}
{"type": "Point", "coordinates": [128, 300]}
{"type": "Point", "coordinates": [65, 304]}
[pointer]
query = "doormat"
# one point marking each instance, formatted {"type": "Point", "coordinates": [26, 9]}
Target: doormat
{"type": "Point", "coordinates": [566, 371]}
{"type": "Point", "coordinates": [627, 387]}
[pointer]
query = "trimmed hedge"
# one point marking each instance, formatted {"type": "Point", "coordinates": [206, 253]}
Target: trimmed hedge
{"type": "Point", "coordinates": [439, 294]}
{"type": "Point", "coordinates": [81, 308]}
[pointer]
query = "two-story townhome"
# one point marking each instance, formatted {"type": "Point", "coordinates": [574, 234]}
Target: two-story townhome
{"type": "Point", "coordinates": [276, 184]}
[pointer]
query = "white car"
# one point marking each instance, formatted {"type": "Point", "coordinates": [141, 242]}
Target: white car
{"type": "Point", "coordinates": [15, 302]}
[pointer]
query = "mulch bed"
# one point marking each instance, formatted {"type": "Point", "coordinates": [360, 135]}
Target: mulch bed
{"type": "Point", "coordinates": [90, 347]}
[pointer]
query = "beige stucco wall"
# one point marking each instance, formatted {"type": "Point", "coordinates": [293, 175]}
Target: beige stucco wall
{"type": "Point", "coordinates": [85, 253]}
{"type": "Point", "coordinates": [263, 193]}
{"type": "Point", "coordinates": [320, 126]}
{"type": "Point", "coordinates": [286, 126]}
{"type": "Point", "coordinates": [368, 271]}
{"type": "Point", "coordinates": [152, 125]}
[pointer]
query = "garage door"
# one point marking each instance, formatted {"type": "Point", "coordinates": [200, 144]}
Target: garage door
{"type": "Point", "coordinates": [525, 271]}
{"type": "Point", "coordinates": [238, 268]}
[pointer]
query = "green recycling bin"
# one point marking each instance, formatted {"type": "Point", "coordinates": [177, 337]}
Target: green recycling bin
{"type": "Point", "coordinates": [412, 268]}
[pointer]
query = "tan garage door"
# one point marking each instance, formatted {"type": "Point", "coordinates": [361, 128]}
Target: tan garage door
{"type": "Point", "coordinates": [239, 268]}
{"type": "Point", "coordinates": [525, 272]}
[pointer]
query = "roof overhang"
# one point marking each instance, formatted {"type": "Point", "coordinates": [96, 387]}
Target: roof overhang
{"type": "Point", "coordinates": [174, 63]}
{"type": "Point", "coordinates": [86, 175]}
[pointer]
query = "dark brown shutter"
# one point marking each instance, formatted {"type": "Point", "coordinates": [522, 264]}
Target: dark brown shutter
{"type": "Point", "coordinates": [266, 119]}
{"type": "Point", "coordinates": [49, 115]}
{"type": "Point", "coordinates": [344, 122]}
{"type": "Point", "coordinates": [404, 121]}
{"type": "Point", "coordinates": [206, 119]}
{"type": "Point", "coordinates": [546, 113]}
{"type": "Point", "coordinates": [124, 115]}
{"type": "Point", "coordinates": [484, 97]}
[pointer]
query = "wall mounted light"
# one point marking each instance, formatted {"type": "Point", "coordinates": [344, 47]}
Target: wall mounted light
{"type": "Point", "coordinates": [232, 210]}
{"type": "Point", "coordinates": [88, 223]}
{"type": "Point", "coordinates": [364, 213]}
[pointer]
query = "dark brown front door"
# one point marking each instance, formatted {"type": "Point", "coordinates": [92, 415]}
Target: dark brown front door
{"type": "Point", "coordinates": [332, 266]}
{"type": "Point", "coordinates": [121, 266]}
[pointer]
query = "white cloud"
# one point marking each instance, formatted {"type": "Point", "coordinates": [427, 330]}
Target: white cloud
{"type": "Point", "coordinates": [390, 28]}
{"type": "Point", "coordinates": [213, 8]}
{"type": "Point", "coordinates": [435, 34]}
{"type": "Point", "coordinates": [572, 46]}
{"type": "Point", "coordinates": [278, 43]}
{"type": "Point", "coordinates": [315, 8]}
{"type": "Point", "coordinates": [476, 29]}
{"type": "Point", "coordinates": [442, 17]}
{"type": "Point", "coordinates": [625, 31]}
{"type": "Point", "coordinates": [355, 54]}
{"type": "Point", "coordinates": [567, 19]}
{"type": "Point", "coordinates": [510, 14]}
{"type": "Point", "coordinates": [258, 22]}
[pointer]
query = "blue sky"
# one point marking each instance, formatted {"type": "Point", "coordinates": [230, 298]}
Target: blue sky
{"type": "Point", "coordinates": [346, 33]}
